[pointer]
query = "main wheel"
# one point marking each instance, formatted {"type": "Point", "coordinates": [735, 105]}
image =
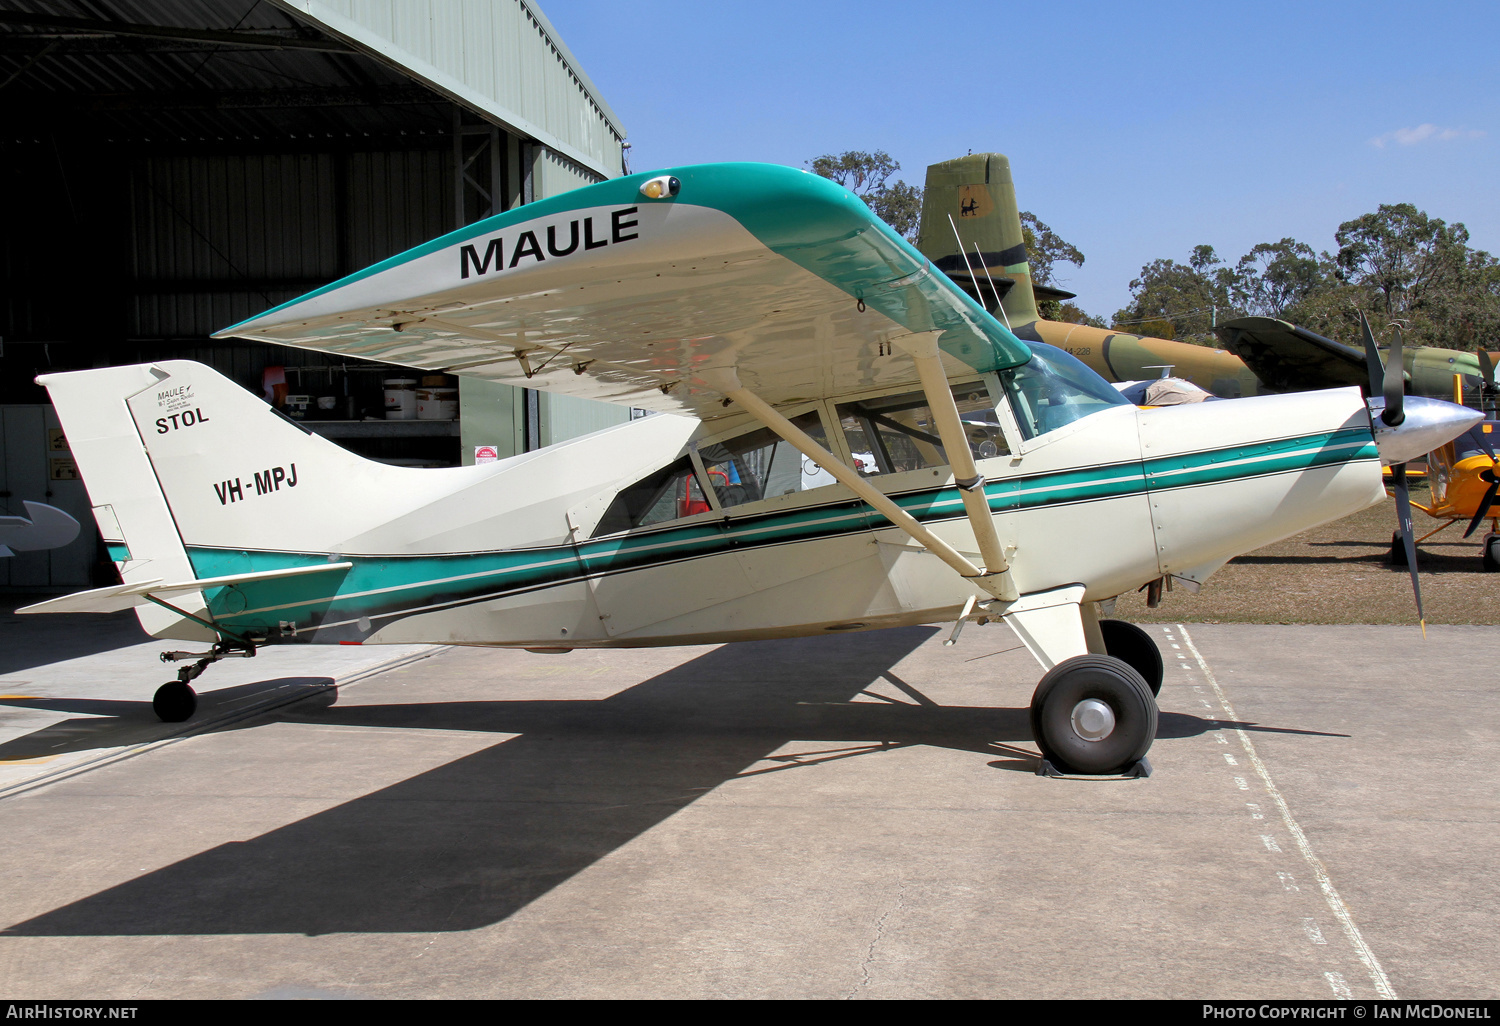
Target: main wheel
{"type": "Point", "coordinates": [1127, 642]}
{"type": "Point", "coordinates": [1492, 552]}
{"type": "Point", "coordinates": [1093, 714]}
{"type": "Point", "coordinates": [1398, 550]}
{"type": "Point", "coordinates": [174, 701]}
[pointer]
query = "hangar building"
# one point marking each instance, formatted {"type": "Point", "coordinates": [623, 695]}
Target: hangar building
{"type": "Point", "coordinates": [174, 166]}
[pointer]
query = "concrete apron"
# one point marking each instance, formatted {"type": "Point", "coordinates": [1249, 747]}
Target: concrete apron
{"type": "Point", "coordinates": [851, 816]}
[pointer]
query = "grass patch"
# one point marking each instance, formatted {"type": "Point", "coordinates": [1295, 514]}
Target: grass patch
{"type": "Point", "coordinates": [1338, 573]}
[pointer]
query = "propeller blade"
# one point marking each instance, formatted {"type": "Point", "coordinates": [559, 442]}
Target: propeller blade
{"type": "Point", "coordinates": [1372, 357]}
{"type": "Point", "coordinates": [1486, 369]}
{"type": "Point", "coordinates": [1484, 504]}
{"type": "Point", "coordinates": [1395, 383]}
{"type": "Point", "coordinates": [1403, 517]}
{"type": "Point", "coordinates": [1484, 441]}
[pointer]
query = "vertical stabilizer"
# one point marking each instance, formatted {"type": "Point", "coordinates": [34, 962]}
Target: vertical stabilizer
{"type": "Point", "coordinates": [129, 507]}
{"type": "Point", "coordinates": [977, 192]}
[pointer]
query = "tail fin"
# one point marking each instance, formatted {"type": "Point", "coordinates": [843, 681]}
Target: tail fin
{"type": "Point", "coordinates": [190, 475]}
{"type": "Point", "coordinates": [977, 192]}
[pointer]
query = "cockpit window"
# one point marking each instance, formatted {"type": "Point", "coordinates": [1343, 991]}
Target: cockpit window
{"type": "Point", "coordinates": [1055, 388]}
{"type": "Point", "coordinates": [760, 465]}
{"type": "Point", "coordinates": [895, 433]}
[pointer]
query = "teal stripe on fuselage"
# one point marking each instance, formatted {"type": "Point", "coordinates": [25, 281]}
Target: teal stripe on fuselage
{"type": "Point", "coordinates": [381, 587]}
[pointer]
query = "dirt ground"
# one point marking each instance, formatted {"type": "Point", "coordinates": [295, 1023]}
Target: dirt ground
{"type": "Point", "coordinates": [1338, 573]}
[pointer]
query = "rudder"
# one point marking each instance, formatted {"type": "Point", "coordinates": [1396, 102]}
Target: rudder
{"type": "Point", "coordinates": [978, 193]}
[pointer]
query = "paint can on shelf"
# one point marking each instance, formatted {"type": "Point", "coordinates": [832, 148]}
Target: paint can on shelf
{"type": "Point", "coordinates": [437, 398]}
{"type": "Point", "coordinates": [400, 398]}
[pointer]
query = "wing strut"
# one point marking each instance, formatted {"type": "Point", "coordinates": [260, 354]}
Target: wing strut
{"type": "Point", "coordinates": [997, 584]}
{"type": "Point", "coordinates": [923, 349]}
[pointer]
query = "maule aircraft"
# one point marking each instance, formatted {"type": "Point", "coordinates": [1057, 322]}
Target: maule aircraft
{"type": "Point", "coordinates": [847, 441]}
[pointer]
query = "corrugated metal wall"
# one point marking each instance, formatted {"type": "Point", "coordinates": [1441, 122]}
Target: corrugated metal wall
{"type": "Point", "coordinates": [218, 238]}
{"type": "Point", "coordinates": [559, 174]}
{"type": "Point", "coordinates": [500, 56]}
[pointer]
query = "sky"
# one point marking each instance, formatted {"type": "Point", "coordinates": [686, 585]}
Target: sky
{"type": "Point", "coordinates": [1136, 131]}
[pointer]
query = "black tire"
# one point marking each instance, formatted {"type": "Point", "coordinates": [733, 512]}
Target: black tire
{"type": "Point", "coordinates": [174, 702]}
{"type": "Point", "coordinates": [1492, 552]}
{"type": "Point", "coordinates": [1105, 679]}
{"type": "Point", "coordinates": [1127, 642]}
{"type": "Point", "coordinates": [1398, 550]}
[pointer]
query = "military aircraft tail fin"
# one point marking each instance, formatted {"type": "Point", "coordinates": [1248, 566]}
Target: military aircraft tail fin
{"type": "Point", "coordinates": [190, 476]}
{"type": "Point", "coordinates": [976, 191]}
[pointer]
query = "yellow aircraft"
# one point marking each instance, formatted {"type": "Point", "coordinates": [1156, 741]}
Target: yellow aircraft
{"type": "Point", "coordinates": [971, 230]}
{"type": "Point", "coordinates": [1462, 477]}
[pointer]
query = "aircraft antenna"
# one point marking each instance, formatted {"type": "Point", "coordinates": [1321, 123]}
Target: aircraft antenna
{"type": "Point", "coordinates": [970, 266]}
{"type": "Point", "coordinates": [998, 304]}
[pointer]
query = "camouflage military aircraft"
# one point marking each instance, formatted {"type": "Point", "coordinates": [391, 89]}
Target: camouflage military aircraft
{"type": "Point", "coordinates": [973, 199]}
{"type": "Point", "coordinates": [971, 230]}
{"type": "Point", "coordinates": [1289, 358]}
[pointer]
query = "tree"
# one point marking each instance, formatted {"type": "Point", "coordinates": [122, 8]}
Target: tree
{"type": "Point", "coordinates": [1181, 301]}
{"type": "Point", "coordinates": [1406, 265]}
{"type": "Point", "coordinates": [1071, 313]}
{"type": "Point", "coordinates": [866, 174]}
{"type": "Point", "coordinates": [1275, 276]}
{"type": "Point", "coordinates": [1045, 248]}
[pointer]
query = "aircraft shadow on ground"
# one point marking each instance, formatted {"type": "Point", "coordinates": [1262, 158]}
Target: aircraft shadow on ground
{"type": "Point", "coordinates": [103, 724]}
{"type": "Point", "coordinates": [1466, 561]}
{"type": "Point", "coordinates": [33, 640]}
{"type": "Point", "coordinates": [469, 843]}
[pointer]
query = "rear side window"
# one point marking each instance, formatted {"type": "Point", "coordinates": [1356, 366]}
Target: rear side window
{"type": "Point", "coordinates": [670, 493]}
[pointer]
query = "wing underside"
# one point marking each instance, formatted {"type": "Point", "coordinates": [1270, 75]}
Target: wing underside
{"type": "Point", "coordinates": [1292, 359]}
{"type": "Point", "coordinates": [782, 277]}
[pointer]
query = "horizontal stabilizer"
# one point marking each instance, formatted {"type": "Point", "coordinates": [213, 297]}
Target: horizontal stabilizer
{"type": "Point", "coordinates": [127, 596]}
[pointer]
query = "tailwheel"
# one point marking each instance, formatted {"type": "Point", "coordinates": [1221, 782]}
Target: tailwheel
{"type": "Point", "coordinates": [175, 701]}
{"type": "Point", "coordinates": [1397, 556]}
{"type": "Point", "coordinates": [1492, 552]}
{"type": "Point", "coordinates": [1093, 714]}
{"type": "Point", "coordinates": [1127, 642]}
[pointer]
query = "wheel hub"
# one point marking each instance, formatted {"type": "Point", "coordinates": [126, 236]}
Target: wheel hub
{"type": "Point", "coordinates": [1093, 720]}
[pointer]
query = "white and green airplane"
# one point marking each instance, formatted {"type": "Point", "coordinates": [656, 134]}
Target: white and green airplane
{"type": "Point", "coordinates": [847, 442]}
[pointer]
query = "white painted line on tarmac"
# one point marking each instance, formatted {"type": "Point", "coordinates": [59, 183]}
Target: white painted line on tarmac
{"type": "Point", "coordinates": [1325, 882]}
{"type": "Point", "coordinates": [1341, 989]}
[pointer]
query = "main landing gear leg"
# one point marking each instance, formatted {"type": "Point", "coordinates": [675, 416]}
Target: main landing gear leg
{"type": "Point", "coordinates": [176, 700]}
{"type": "Point", "coordinates": [1092, 713]}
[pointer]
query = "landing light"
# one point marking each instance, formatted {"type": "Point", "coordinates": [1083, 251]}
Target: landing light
{"type": "Point", "coordinates": [665, 185]}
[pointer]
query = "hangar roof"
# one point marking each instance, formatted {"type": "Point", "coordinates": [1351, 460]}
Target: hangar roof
{"type": "Point", "coordinates": [229, 71]}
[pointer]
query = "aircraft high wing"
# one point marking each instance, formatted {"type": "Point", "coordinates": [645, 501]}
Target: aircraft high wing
{"type": "Point", "coordinates": [629, 290]}
{"type": "Point", "coordinates": [1289, 358]}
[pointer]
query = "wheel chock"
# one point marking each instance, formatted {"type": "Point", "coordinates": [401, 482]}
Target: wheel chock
{"type": "Point", "coordinates": [1140, 770]}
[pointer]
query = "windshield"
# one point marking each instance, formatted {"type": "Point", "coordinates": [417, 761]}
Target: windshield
{"type": "Point", "coordinates": [1055, 388]}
